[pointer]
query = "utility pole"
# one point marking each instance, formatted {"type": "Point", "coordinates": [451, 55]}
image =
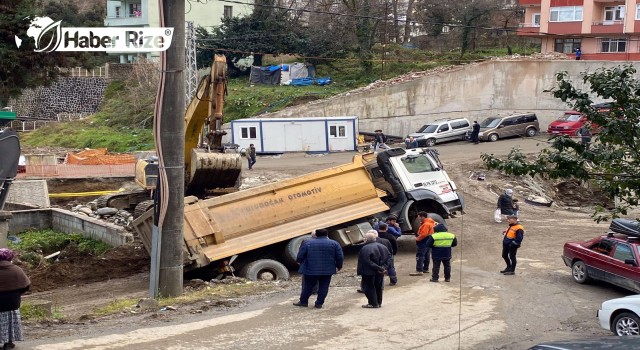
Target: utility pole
{"type": "Point", "coordinates": [172, 131]}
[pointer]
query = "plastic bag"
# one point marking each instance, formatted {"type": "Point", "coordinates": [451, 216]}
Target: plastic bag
{"type": "Point", "coordinates": [497, 216]}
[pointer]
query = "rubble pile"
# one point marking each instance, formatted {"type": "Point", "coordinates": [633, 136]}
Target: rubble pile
{"type": "Point", "coordinates": [112, 215]}
{"type": "Point", "coordinates": [534, 57]}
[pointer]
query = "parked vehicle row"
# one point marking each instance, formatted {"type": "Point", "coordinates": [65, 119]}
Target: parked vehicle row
{"type": "Point", "coordinates": [491, 129]}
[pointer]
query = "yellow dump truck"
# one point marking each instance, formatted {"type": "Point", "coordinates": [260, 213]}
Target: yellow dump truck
{"type": "Point", "coordinates": [264, 226]}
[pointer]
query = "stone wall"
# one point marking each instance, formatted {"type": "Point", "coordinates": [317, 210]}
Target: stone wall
{"type": "Point", "coordinates": [78, 96]}
{"type": "Point", "coordinates": [474, 91]}
{"type": "Point", "coordinates": [33, 192]}
{"type": "Point", "coordinates": [68, 222]}
{"type": "Point", "coordinates": [119, 71]}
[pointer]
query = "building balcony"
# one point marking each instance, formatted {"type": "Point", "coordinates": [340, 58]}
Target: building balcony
{"type": "Point", "coordinates": [607, 27]}
{"type": "Point", "coordinates": [127, 13]}
{"type": "Point", "coordinates": [130, 21]}
{"type": "Point", "coordinates": [565, 27]}
{"type": "Point", "coordinates": [528, 29]}
{"type": "Point", "coordinates": [530, 2]}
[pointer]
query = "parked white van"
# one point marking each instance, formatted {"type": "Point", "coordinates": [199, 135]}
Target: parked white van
{"type": "Point", "coordinates": [441, 131]}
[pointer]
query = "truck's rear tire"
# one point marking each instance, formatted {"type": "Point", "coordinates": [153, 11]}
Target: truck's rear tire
{"type": "Point", "coordinates": [437, 218]}
{"type": "Point", "coordinates": [291, 250]}
{"type": "Point", "coordinates": [265, 270]}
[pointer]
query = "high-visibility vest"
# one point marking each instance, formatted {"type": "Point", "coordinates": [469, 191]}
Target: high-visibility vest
{"type": "Point", "coordinates": [442, 239]}
{"type": "Point", "coordinates": [511, 231]}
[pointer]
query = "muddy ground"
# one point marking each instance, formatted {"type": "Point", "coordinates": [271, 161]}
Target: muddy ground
{"type": "Point", "coordinates": [79, 295]}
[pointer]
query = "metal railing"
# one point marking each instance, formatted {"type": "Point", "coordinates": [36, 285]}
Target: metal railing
{"type": "Point", "coordinates": [82, 72]}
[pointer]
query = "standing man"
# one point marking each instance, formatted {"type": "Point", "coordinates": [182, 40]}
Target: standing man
{"type": "Point", "coordinates": [475, 132]}
{"type": "Point", "coordinates": [251, 156]}
{"type": "Point", "coordinates": [391, 270]}
{"type": "Point", "coordinates": [372, 265]}
{"type": "Point", "coordinates": [319, 259]}
{"type": "Point", "coordinates": [585, 134]}
{"type": "Point", "coordinates": [412, 143]}
{"type": "Point", "coordinates": [578, 54]}
{"type": "Point", "coordinates": [505, 203]}
{"type": "Point", "coordinates": [392, 226]}
{"type": "Point", "coordinates": [512, 240]}
{"type": "Point", "coordinates": [423, 252]}
{"type": "Point", "coordinates": [441, 242]}
{"type": "Point", "coordinates": [380, 141]}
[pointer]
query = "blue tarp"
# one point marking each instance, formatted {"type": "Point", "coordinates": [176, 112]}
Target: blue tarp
{"type": "Point", "coordinates": [310, 81]}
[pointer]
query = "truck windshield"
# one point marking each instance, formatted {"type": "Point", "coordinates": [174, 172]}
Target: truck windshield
{"type": "Point", "coordinates": [490, 122]}
{"type": "Point", "coordinates": [417, 164]}
{"type": "Point", "coordinates": [428, 129]}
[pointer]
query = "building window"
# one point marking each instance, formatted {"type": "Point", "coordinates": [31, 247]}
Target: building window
{"type": "Point", "coordinates": [135, 10]}
{"type": "Point", "coordinates": [566, 14]}
{"type": "Point", "coordinates": [567, 45]}
{"type": "Point", "coordinates": [638, 12]}
{"type": "Point", "coordinates": [535, 20]}
{"type": "Point", "coordinates": [613, 13]}
{"type": "Point", "coordinates": [337, 131]}
{"type": "Point", "coordinates": [613, 45]}
{"type": "Point", "coordinates": [228, 11]}
{"type": "Point", "coordinates": [248, 132]}
{"type": "Point", "coordinates": [117, 11]}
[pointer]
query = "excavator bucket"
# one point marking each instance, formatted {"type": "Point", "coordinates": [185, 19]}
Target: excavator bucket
{"type": "Point", "coordinates": [213, 173]}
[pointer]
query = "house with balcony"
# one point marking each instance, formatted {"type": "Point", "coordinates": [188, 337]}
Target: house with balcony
{"type": "Point", "coordinates": [602, 29]}
{"type": "Point", "coordinates": [145, 13]}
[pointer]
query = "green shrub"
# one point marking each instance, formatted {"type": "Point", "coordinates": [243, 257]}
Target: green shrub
{"type": "Point", "coordinates": [35, 244]}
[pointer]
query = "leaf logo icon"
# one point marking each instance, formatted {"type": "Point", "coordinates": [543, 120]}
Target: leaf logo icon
{"type": "Point", "coordinates": [55, 38]}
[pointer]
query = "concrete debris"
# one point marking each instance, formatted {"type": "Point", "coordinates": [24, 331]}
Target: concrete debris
{"type": "Point", "coordinates": [112, 215]}
{"type": "Point", "coordinates": [534, 57]}
{"type": "Point", "coordinates": [147, 304]}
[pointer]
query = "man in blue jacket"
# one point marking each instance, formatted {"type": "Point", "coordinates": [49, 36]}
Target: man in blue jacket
{"type": "Point", "coordinates": [319, 259]}
{"type": "Point", "coordinates": [441, 242]}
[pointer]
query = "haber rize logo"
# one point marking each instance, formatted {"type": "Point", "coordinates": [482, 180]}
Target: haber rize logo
{"type": "Point", "coordinates": [50, 36]}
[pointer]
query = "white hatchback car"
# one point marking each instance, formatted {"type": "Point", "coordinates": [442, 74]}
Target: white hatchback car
{"type": "Point", "coordinates": [621, 315]}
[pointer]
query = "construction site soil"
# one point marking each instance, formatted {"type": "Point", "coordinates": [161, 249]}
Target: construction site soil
{"type": "Point", "coordinates": [77, 285]}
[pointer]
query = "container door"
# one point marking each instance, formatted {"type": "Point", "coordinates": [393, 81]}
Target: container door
{"type": "Point", "coordinates": [293, 137]}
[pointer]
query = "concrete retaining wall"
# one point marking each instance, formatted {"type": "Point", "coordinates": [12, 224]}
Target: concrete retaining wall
{"type": "Point", "coordinates": [68, 222]}
{"type": "Point", "coordinates": [33, 192]}
{"type": "Point", "coordinates": [474, 91]}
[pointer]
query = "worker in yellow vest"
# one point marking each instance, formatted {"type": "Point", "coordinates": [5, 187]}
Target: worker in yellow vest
{"type": "Point", "coordinates": [440, 243]}
{"type": "Point", "coordinates": [510, 243]}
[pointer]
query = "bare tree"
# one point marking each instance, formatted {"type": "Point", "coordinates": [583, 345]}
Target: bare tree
{"type": "Point", "coordinates": [407, 23]}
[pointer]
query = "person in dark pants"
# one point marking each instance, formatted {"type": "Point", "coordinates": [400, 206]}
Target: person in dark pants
{"type": "Point", "coordinates": [441, 242]}
{"type": "Point", "coordinates": [385, 242]}
{"type": "Point", "coordinates": [372, 265]}
{"type": "Point", "coordinates": [251, 155]}
{"type": "Point", "coordinates": [423, 255]}
{"type": "Point", "coordinates": [578, 54]}
{"type": "Point", "coordinates": [475, 133]}
{"type": "Point", "coordinates": [585, 135]}
{"type": "Point", "coordinates": [511, 242]}
{"type": "Point", "coordinates": [391, 270]}
{"type": "Point", "coordinates": [505, 203]}
{"type": "Point", "coordinates": [319, 259]}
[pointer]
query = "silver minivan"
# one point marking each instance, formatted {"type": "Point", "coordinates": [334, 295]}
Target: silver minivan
{"type": "Point", "coordinates": [441, 131]}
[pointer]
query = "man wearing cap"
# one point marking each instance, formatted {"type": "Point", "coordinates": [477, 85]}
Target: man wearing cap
{"type": "Point", "coordinates": [505, 203]}
{"type": "Point", "coordinates": [380, 141]}
{"type": "Point", "coordinates": [440, 243]}
{"type": "Point", "coordinates": [392, 226]}
{"type": "Point", "coordinates": [510, 243]}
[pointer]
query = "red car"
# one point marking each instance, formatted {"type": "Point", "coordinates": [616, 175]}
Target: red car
{"type": "Point", "coordinates": [613, 258]}
{"type": "Point", "coordinates": [571, 122]}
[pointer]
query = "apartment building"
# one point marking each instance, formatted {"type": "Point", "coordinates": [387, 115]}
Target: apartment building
{"type": "Point", "coordinates": [145, 13]}
{"type": "Point", "coordinates": [602, 29]}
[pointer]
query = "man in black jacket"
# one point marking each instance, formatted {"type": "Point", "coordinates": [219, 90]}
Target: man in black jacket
{"type": "Point", "coordinates": [373, 261]}
{"type": "Point", "coordinates": [384, 234]}
{"type": "Point", "coordinates": [505, 203]}
{"type": "Point", "coordinates": [475, 133]}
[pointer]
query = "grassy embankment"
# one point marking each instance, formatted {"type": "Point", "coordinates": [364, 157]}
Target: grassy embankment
{"type": "Point", "coordinates": [124, 122]}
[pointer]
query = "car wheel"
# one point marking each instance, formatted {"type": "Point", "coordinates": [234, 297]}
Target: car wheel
{"type": "Point", "coordinates": [493, 137]}
{"type": "Point", "coordinates": [626, 323]}
{"type": "Point", "coordinates": [531, 132]}
{"type": "Point", "coordinates": [579, 272]}
{"type": "Point", "coordinates": [430, 142]}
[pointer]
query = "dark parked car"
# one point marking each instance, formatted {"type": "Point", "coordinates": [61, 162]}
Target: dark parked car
{"type": "Point", "coordinates": [613, 258]}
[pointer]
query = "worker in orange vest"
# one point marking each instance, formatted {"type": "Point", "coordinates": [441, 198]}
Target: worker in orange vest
{"type": "Point", "coordinates": [423, 255]}
{"type": "Point", "coordinates": [510, 243]}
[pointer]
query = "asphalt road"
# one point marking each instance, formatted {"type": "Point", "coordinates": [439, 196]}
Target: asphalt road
{"type": "Point", "coordinates": [479, 309]}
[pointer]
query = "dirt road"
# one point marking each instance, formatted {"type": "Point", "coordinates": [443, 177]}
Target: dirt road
{"type": "Point", "coordinates": [479, 309]}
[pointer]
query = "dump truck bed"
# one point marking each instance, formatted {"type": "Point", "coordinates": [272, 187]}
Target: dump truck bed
{"type": "Point", "coordinates": [235, 223]}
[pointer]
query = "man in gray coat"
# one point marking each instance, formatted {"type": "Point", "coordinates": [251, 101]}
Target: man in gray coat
{"type": "Point", "coordinates": [373, 261]}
